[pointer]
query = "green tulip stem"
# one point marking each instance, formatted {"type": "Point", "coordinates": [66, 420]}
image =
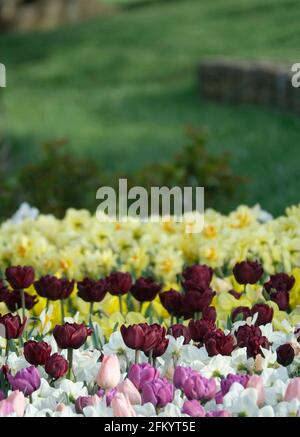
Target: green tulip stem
{"type": "Point", "coordinates": [150, 357]}
{"type": "Point", "coordinates": [23, 304]}
{"type": "Point", "coordinates": [137, 357]}
{"type": "Point", "coordinates": [120, 304]}
{"type": "Point", "coordinates": [172, 319]}
{"type": "Point", "coordinates": [91, 313]}
{"type": "Point", "coordinates": [7, 349]}
{"type": "Point", "coordinates": [62, 311]}
{"type": "Point", "coordinates": [70, 359]}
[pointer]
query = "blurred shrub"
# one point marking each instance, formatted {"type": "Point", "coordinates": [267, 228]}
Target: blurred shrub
{"type": "Point", "coordinates": [195, 166]}
{"type": "Point", "coordinates": [61, 180]}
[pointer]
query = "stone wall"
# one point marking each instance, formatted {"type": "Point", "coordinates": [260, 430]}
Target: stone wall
{"type": "Point", "coordinates": [261, 83]}
{"type": "Point", "coordinates": [45, 14]}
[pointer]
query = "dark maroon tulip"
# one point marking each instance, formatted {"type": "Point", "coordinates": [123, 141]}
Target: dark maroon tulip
{"type": "Point", "coordinates": [3, 291]}
{"type": "Point", "coordinates": [133, 336]}
{"type": "Point", "coordinates": [248, 272]}
{"type": "Point", "coordinates": [209, 314]}
{"type": "Point", "coordinates": [37, 352]}
{"type": "Point", "coordinates": [240, 313]}
{"type": "Point", "coordinates": [144, 337]}
{"type": "Point", "coordinates": [119, 283]}
{"type": "Point", "coordinates": [235, 294]}
{"type": "Point", "coordinates": [245, 332]}
{"type": "Point", "coordinates": [154, 335]}
{"type": "Point", "coordinates": [145, 289]}
{"type": "Point", "coordinates": [251, 337]}
{"type": "Point", "coordinates": [280, 282]}
{"type": "Point", "coordinates": [161, 342]}
{"type": "Point", "coordinates": [218, 343]}
{"type": "Point", "coordinates": [54, 288]}
{"type": "Point", "coordinates": [197, 301]}
{"type": "Point", "coordinates": [199, 329]}
{"type": "Point", "coordinates": [56, 366]}
{"type": "Point", "coordinates": [159, 349]}
{"type": "Point", "coordinates": [255, 344]}
{"type": "Point", "coordinates": [20, 277]}
{"type": "Point", "coordinates": [71, 335]}
{"type": "Point", "coordinates": [179, 330]}
{"type": "Point", "coordinates": [265, 313]}
{"type": "Point", "coordinates": [92, 291]}
{"type": "Point", "coordinates": [197, 277]}
{"type": "Point", "coordinates": [4, 371]}
{"type": "Point", "coordinates": [285, 354]}
{"type": "Point", "coordinates": [282, 299]}
{"type": "Point", "coordinates": [171, 300]}
{"type": "Point", "coordinates": [14, 300]}
{"type": "Point", "coordinates": [13, 325]}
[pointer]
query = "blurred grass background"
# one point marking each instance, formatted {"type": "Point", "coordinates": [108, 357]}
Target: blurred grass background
{"type": "Point", "coordinates": [121, 88]}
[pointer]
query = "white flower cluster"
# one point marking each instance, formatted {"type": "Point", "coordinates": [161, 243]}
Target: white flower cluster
{"type": "Point", "coordinates": [274, 393]}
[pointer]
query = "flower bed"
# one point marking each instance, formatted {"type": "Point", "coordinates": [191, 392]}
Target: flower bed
{"type": "Point", "coordinates": [132, 319]}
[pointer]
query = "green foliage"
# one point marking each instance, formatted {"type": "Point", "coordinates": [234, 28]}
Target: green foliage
{"type": "Point", "coordinates": [121, 87]}
{"type": "Point", "coordinates": [60, 180]}
{"type": "Point", "coordinates": [194, 166]}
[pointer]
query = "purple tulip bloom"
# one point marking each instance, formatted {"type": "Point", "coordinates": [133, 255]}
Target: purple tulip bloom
{"type": "Point", "coordinates": [230, 379]}
{"type": "Point", "coordinates": [218, 413]}
{"type": "Point", "coordinates": [181, 374]}
{"type": "Point", "coordinates": [139, 374]}
{"type": "Point", "coordinates": [26, 380]}
{"type": "Point", "coordinates": [110, 395]}
{"type": "Point", "coordinates": [193, 409]}
{"type": "Point", "coordinates": [219, 397]}
{"type": "Point", "coordinates": [159, 392]}
{"type": "Point", "coordinates": [100, 393]}
{"type": "Point", "coordinates": [83, 402]}
{"type": "Point", "coordinates": [199, 388]}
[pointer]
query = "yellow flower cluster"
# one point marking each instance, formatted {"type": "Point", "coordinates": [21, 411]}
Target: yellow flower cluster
{"type": "Point", "coordinates": [80, 245]}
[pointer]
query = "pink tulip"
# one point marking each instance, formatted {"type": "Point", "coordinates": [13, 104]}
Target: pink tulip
{"type": "Point", "coordinates": [256, 382]}
{"type": "Point", "coordinates": [109, 373]}
{"type": "Point", "coordinates": [60, 408]}
{"type": "Point", "coordinates": [293, 390]}
{"type": "Point", "coordinates": [17, 400]}
{"type": "Point", "coordinates": [122, 407]}
{"type": "Point", "coordinates": [6, 408]}
{"type": "Point", "coordinates": [15, 403]}
{"type": "Point", "coordinates": [128, 388]}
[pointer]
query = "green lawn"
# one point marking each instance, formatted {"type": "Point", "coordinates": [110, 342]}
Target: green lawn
{"type": "Point", "coordinates": [121, 88]}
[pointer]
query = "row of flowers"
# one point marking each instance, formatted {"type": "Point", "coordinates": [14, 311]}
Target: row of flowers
{"type": "Point", "coordinates": [212, 347]}
{"type": "Point", "coordinates": [120, 299]}
{"type": "Point", "coordinates": [79, 245]}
